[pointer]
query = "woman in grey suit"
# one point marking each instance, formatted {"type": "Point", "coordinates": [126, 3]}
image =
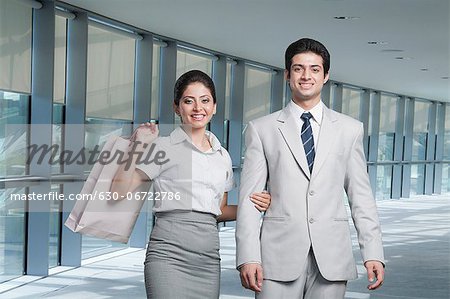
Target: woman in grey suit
{"type": "Point", "coordinates": [194, 174]}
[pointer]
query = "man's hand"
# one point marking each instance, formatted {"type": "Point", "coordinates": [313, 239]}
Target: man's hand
{"type": "Point", "coordinates": [252, 276]}
{"type": "Point", "coordinates": [375, 269]}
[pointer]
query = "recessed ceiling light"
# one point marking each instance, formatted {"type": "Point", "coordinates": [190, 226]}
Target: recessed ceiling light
{"type": "Point", "coordinates": [346, 18]}
{"type": "Point", "coordinates": [403, 58]}
{"type": "Point", "coordinates": [377, 43]}
{"type": "Point", "coordinates": [392, 50]}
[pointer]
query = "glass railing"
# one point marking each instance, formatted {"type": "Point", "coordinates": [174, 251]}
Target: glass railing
{"type": "Point", "coordinates": [14, 117]}
{"type": "Point", "coordinates": [12, 235]}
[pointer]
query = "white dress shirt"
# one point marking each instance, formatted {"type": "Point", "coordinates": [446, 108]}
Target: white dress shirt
{"type": "Point", "coordinates": [315, 121]}
{"type": "Point", "coordinates": [198, 178]}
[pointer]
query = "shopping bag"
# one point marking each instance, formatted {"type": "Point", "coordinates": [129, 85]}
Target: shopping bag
{"type": "Point", "coordinates": [100, 213]}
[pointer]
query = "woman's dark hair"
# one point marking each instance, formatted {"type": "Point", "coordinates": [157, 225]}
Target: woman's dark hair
{"type": "Point", "coordinates": [194, 76]}
{"type": "Point", "coordinates": [307, 45]}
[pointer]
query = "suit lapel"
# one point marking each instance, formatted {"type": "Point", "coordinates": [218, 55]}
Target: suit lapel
{"type": "Point", "coordinates": [288, 129]}
{"type": "Point", "coordinates": [326, 140]}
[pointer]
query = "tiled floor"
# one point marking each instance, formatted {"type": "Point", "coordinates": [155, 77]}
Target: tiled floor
{"type": "Point", "coordinates": [417, 248]}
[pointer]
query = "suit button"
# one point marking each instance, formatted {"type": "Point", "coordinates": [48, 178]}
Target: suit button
{"type": "Point", "coordinates": [311, 220]}
{"type": "Point", "coordinates": [312, 192]}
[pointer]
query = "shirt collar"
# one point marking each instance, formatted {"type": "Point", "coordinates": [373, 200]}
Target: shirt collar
{"type": "Point", "coordinates": [179, 135]}
{"type": "Point", "coordinates": [215, 143]}
{"type": "Point", "coordinates": [316, 111]}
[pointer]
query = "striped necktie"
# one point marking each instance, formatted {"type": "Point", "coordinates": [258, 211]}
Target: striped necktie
{"type": "Point", "coordinates": [308, 140]}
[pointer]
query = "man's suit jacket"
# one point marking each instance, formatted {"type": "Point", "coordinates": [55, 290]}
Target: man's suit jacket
{"type": "Point", "coordinates": [306, 210]}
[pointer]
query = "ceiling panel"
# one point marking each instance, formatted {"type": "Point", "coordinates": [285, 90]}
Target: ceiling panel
{"type": "Point", "coordinates": [261, 30]}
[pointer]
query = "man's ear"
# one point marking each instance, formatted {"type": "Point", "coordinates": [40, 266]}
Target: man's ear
{"type": "Point", "coordinates": [286, 75]}
{"type": "Point", "coordinates": [327, 76]}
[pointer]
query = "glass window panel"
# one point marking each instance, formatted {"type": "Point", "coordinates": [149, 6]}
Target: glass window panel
{"type": "Point", "coordinates": [256, 93]}
{"type": "Point", "coordinates": [156, 75]}
{"type": "Point", "coordinates": [333, 88]}
{"type": "Point", "coordinates": [421, 111]}
{"type": "Point", "coordinates": [12, 234]}
{"type": "Point", "coordinates": [110, 74]}
{"type": "Point", "coordinates": [187, 61]}
{"type": "Point", "coordinates": [59, 86]}
{"type": "Point", "coordinates": [445, 179]}
{"type": "Point", "coordinates": [384, 182]}
{"type": "Point", "coordinates": [388, 109]}
{"type": "Point", "coordinates": [15, 46]}
{"type": "Point", "coordinates": [417, 179]}
{"type": "Point", "coordinates": [14, 117]}
{"type": "Point", "coordinates": [351, 102]}
{"type": "Point", "coordinates": [419, 146]}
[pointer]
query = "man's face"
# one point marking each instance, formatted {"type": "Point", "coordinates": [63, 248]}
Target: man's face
{"type": "Point", "coordinates": [306, 77]}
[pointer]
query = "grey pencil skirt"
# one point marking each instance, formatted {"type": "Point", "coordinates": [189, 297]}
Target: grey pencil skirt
{"type": "Point", "coordinates": [182, 259]}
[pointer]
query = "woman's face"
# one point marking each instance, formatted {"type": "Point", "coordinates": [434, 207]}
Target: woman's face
{"type": "Point", "coordinates": [196, 106]}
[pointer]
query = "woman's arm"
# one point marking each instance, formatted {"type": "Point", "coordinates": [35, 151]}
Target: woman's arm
{"type": "Point", "coordinates": [127, 177]}
{"type": "Point", "coordinates": [229, 212]}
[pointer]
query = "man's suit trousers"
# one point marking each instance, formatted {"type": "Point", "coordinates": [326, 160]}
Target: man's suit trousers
{"type": "Point", "coordinates": [310, 285]}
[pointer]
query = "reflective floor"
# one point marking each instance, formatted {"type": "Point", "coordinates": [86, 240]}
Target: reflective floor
{"type": "Point", "coordinates": [417, 248]}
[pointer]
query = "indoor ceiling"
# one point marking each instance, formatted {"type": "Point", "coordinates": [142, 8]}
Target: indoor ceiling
{"type": "Point", "coordinates": [412, 57]}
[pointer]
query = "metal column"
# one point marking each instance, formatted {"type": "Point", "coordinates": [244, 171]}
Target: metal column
{"type": "Point", "coordinates": [431, 148]}
{"type": "Point", "coordinates": [364, 112]}
{"type": "Point", "coordinates": [219, 75]}
{"type": "Point", "coordinates": [168, 79]}
{"type": "Point", "coordinates": [41, 135]}
{"type": "Point", "coordinates": [141, 114]}
{"type": "Point", "coordinates": [440, 131]}
{"type": "Point", "coordinates": [407, 148]}
{"type": "Point", "coordinates": [237, 113]}
{"type": "Point", "coordinates": [373, 140]}
{"type": "Point", "coordinates": [398, 149]}
{"type": "Point", "coordinates": [77, 44]}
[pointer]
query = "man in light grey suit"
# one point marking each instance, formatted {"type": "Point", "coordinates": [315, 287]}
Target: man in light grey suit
{"type": "Point", "coordinates": [306, 155]}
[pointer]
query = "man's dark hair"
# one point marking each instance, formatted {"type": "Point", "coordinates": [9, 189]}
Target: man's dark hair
{"type": "Point", "coordinates": [191, 77]}
{"type": "Point", "coordinates": [304, 45]}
